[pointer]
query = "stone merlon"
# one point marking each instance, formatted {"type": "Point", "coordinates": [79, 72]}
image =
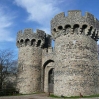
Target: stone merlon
{"type": "Point", "coordinates": [28, 37]}
{"type": "Point", "coordinates": [75, 19]}
{"type": "Point", "coordinates": [29, 34]}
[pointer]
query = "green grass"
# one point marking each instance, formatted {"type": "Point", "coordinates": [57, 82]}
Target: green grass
{"type": "Point", "coordinates": [74, 97]}
{"type": "Point", "coordinates": [53, 96]}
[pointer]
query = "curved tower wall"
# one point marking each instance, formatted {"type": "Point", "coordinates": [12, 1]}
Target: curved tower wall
{"type": "Point", "coordinates": [30, 60]}
{"type": "Point", "coordinates": [76, 60]}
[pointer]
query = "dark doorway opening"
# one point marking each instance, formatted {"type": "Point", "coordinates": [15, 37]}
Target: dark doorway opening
{"type": "Point", "coordinates": [51, 80]}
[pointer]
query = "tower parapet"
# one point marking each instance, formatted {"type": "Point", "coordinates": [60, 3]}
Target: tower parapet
{"type": "Point", "coordinates": [28, 37]}
{"type": "Point", "coordinates": [75, 23]}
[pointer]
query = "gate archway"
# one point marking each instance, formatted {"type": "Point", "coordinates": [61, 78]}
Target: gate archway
{"type": "Point", "coordinates": [48, 68]}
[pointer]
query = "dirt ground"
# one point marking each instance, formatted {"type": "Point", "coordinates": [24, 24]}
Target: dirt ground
{"type": "Point", "coordinates": [37, 96]}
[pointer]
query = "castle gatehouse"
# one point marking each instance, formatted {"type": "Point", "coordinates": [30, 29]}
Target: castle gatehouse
{"type": "Point", "coordinates": [68, 69]}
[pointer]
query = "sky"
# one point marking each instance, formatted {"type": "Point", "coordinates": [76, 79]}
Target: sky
{"type": "Point", "coordinates": [17, 15]}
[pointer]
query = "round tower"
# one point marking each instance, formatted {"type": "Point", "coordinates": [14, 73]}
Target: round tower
{"type": "Point", "coordinates": [76, 60]}
{"type": "Point", "coordinates": [29, 60]}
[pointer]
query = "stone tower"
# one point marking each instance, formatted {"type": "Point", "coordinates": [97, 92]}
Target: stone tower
{"type": "Point", "coordinates": [71, 68]}
{"type": "Point", "coordinates": [76, 57]}
{"type": "Point", "coordinates": [30, 59]}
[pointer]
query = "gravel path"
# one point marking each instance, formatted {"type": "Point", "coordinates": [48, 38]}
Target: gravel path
{"type": "Point", "coordinates": [37, 96]}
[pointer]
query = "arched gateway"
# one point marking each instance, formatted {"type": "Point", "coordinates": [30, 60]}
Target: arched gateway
{"type": "Point", "coordinates": [48, 76]}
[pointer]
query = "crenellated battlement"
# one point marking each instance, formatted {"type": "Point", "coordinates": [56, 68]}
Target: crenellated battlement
{"type": "Point", "coordinates": [28, 33]}
{"type": "Point", "coordinates": [74, 22]}
{"type": "Point", "coordinates": [28, 37]}
{"type": "Point", "coordinates": [47, 51]}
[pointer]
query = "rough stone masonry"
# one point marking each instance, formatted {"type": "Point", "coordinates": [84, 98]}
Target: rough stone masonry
{"type": "Point", "coordinates": [70, 68]}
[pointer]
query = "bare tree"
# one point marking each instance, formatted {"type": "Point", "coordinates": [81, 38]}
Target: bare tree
{"type": "Point", "coordinates": [7, 65]}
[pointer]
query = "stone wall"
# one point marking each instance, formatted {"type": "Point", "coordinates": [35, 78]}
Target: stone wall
{"type": "Point", "coordinates": [75, 22]}
{"type": "Point", "coordinates": [76, 57]}
{"type": "Point", "coordinates": [30, 46]}
{"type": "Point", "coordinates": [75, 65]}
{"type": "Point", "coordinates": [29, 75]}
{"type": "Point", "coordinates": [47, 64]}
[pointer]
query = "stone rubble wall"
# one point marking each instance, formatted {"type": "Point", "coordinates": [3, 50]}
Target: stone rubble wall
{"type": "Point", "coordinates": [76, 58]}
{"type": "Point", "coordinates": [76, 66]}
{"type": "Point", "coordinates": [47, 59]}
{"type": "Point", "coordinates": [30, 59]}
{"type": "Point", "coordinates": [29, 75]}
{"type": "Point", "coordinates": [88, 24]}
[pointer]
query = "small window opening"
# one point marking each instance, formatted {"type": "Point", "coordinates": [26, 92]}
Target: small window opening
{"type": "Point", "coordinates": [39, 42]}
{"type": "Point", "coordinates": [60, 27]}
{"type": "Point", "coordinates": [54, 30]}
{"type": "Point", "coordinates": [27, 42]}
{"type": "Point", "coordinates": [33, 42]}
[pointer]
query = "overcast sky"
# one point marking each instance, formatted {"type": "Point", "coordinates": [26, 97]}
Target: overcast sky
{"type": "Point", "coordinates": [17, 15]}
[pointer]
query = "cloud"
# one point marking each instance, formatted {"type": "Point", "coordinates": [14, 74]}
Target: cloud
{"type": "Point", "coordinates": [6, 23]}
{"type": "Point", "coordinates": [39, 10]}
{"type": "Point", "coordinates": [5, 35]}
{"type": "Point", "coordinates": [42, 11]}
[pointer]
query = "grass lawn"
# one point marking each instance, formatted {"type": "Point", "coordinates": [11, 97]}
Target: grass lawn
{"type": "Point", "coordinates": [74, 97]}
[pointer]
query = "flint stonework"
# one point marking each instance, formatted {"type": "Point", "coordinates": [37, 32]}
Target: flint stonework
{"type": "Point", "coordinates": [74, 59]}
